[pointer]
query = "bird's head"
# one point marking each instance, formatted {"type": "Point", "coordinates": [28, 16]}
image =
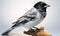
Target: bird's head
{"type": "Point", "coordinates": [41, 6]}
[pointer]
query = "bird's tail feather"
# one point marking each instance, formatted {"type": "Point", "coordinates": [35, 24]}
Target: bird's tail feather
{"type": "Point", "coordinates": [7, 32]}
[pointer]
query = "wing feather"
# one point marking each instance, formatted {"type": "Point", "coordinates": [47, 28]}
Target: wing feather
{"type": "Point", "coordinates": [26, 18]}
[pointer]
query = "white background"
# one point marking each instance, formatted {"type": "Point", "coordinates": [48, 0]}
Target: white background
{"type": "Point", "coordinates": [11, 10]}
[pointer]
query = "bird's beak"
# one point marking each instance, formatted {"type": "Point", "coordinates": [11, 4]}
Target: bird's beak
{"type": "Point", "coordinates": [47, 6]}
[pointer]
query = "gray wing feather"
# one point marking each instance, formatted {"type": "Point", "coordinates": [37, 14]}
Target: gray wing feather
{"type": "Point", "coordinates": [26, 18]}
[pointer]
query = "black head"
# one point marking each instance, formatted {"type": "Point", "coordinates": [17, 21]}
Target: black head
{"type": "Point", "coordinates": [41, 6]}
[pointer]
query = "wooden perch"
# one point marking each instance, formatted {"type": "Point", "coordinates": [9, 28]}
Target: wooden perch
{"type": "Point", "coordinates": [37, 32]}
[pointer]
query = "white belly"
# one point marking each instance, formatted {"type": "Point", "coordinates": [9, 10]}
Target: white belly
{"type": "Point", "coordinates": [32, 23]}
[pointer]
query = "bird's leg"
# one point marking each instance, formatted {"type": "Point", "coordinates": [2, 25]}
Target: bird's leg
{"type": "Point", "coordinates": [35, 28]}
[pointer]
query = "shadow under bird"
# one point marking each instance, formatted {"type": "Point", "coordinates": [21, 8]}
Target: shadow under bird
{"type": "Point", "coordinates": [31, 18]}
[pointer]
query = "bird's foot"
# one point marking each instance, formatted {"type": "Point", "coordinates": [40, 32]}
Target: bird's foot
{"type": "Point", "coordinates": [32, 30]}
{"type": "Point", "coordinates": [35, 28]}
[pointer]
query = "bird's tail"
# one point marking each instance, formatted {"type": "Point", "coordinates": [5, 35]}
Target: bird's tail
{"type": "Point", "coordinates": [7, 32]}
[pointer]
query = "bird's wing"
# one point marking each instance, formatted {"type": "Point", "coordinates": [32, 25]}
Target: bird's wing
{"type": "Point", "coordinates": [26, 18]}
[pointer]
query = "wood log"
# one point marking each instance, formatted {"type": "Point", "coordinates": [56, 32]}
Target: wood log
{"type": "Point", "coordinates": [37, 32]}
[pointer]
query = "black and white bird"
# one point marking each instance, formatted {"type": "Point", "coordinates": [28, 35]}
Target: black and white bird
{"type": "Point", "coordinates": [31, 18]}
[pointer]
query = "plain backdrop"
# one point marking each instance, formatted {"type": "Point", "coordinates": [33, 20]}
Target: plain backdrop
{"type": "Point", "coordinates": [11, 10]}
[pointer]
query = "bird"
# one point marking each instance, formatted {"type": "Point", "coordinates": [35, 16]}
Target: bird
{"type": "Point", "coordinates": [31, 18]}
